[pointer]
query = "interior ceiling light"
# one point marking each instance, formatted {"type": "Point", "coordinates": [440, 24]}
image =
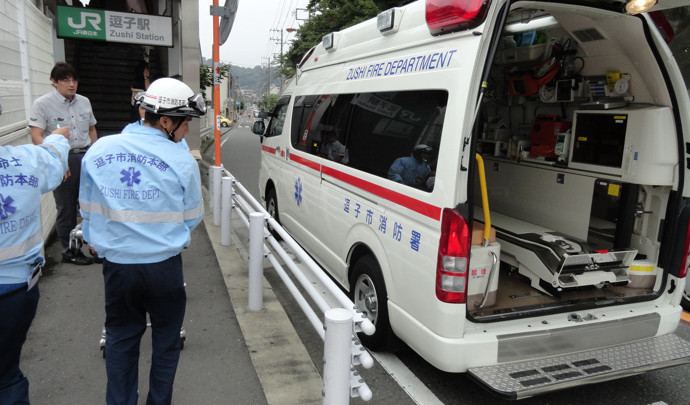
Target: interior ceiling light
{"type": "Point", "coordinates": [539, 23]}
{"type": "Point", "coordinates": [639, 6]}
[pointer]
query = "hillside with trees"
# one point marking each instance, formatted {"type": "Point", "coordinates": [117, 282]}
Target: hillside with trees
{"type": "Point", "coordinates": [254, 78]}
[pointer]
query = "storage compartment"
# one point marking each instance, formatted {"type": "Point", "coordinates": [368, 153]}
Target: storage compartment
{"type": "Point", "coordinates": [578, 213]}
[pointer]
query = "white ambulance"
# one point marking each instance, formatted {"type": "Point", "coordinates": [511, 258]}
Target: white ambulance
{"type": "Point", "coordinates": [502, 185]}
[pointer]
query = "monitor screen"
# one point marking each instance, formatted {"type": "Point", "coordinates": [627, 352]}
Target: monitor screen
{"type": "Point", "coordinates": [599, 139]}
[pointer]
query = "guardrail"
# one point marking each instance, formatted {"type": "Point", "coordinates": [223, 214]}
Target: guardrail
{"type": "Point", "coordinates": [342, 349]}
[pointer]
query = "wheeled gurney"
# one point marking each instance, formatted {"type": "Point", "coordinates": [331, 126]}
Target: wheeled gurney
{"type": "Point", "coordinates": [555, 262]}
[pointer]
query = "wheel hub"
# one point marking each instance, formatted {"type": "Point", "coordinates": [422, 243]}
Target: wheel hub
{"type": "Point", "coordinates": [365, 297]}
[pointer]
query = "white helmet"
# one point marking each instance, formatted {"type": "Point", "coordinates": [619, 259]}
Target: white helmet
{"type": "Point", "coordinates": [171, 97]}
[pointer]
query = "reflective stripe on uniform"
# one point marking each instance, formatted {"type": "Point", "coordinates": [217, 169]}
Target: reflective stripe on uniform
{"type": "Point", "coordinates": [10, 252]}
{"type": "Point", "coordinates": [194, 213]}
{"type": "Point", "coordinates": [53, 148]}
{"type": "Point", "coordinates": [138, 216]}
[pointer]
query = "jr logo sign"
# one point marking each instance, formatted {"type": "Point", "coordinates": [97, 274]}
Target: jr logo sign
{"type": "Point", "coordinates": [76, 22]}
{"type": "Point", "coordinates": [92, 18]}
{"type": "Point", "coordinates": [113, 26]}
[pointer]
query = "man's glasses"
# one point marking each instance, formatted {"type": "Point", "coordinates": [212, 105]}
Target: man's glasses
{"type": "Point", "coordinates": [69, 81]}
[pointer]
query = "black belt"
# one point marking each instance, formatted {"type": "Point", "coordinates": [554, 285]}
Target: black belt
{"type": "Point", "coordinates": [79, 150]}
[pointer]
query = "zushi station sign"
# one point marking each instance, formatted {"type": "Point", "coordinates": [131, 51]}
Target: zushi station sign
{"type": "Point", "coordinates": [113, 26]}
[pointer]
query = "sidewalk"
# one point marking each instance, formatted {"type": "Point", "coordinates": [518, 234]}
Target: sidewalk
{"type": "Point", "coordinates": [231, 356]}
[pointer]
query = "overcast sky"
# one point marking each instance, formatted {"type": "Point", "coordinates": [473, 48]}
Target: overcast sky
{"type": "Point", "coordinates": [249, 42]}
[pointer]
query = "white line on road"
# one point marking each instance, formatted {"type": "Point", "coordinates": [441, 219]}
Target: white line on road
{"type": "Point", "coordinates": [417, 391]}
{"type": "Point", "coordinates": [224, 140]}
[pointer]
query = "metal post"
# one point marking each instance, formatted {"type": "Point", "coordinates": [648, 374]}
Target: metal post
{"type": "Point", "coordinates": [337, 357]}
{"type": "Point", "coordinates": [216, 90]}
{"type": "Point", "coordinates": [226, 210]}
{"type": "Point", "coordinates": [256, 261]}
{"type": "Point", "coordinates": [216, 173]}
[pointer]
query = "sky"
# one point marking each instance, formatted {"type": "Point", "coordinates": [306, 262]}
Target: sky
{"type": "Point", "coordinates": [249, 43]}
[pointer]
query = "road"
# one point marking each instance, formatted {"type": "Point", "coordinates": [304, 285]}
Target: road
{"type": "Point", "coordinates": [241, 156]}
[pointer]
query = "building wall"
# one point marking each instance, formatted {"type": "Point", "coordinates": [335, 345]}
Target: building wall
{"type": "Point", "coordinates": [27, 58]}
{"type": "Point", "coordinates": [191, 59]}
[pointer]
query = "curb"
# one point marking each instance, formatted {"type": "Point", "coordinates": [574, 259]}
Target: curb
{"type": "Point", "coordinates": [282, 363]}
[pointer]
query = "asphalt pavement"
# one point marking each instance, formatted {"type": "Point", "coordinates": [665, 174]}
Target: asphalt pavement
{"type": "Point", "coordinates": [230, 355]}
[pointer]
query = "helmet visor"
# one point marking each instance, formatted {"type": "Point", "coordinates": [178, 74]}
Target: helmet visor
{"type": "Point", "coordinates": [139, 97]}
{"type": "Point", "coordinates": [198, 103]}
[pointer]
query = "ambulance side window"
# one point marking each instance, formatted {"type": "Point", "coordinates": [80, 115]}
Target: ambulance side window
{"type": "Point", "coordinates": [321, 118]}
{"type": "Point", "coordinates": [386, 126]}
{"type": "Point", "coordinates": [301, 111]}
{"type": "Point", "coordinates": [275, 126]}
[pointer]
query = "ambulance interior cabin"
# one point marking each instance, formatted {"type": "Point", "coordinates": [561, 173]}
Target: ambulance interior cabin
{"type": "Point", "coordinates": [580, 153]}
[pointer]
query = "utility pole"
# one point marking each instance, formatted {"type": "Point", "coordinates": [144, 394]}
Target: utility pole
{"type": "Point", "coordinates": [268, 74]}
{"type": "Point", "coordinates": [281, 41]}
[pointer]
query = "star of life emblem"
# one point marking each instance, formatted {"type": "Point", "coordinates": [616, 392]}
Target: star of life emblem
{"type": "Point", "coordinates": [6, 207]}
{"type": "Point", "coordinates": [130, 176]}
{"type": "Point", "coordinates": [298, 191]}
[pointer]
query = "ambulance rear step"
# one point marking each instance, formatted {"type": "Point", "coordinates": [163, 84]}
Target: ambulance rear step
{"type": "Point", "coordinates": [517, 380]}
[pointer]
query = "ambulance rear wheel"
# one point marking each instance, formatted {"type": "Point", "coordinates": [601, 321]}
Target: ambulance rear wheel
{"type": "Point", "coordinates": [368, 292]}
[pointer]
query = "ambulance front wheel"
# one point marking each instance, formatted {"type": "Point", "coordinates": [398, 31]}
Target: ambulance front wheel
{"type": "Point", "coordinates": [368, 292]}
{"type": "Point", "coordinates": [272, 208]}
{"type": "Point", "coordinates": [272, 204]}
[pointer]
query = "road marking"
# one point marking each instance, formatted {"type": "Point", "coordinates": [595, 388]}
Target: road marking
{"type": "Point", "coordinates": [416, 389]}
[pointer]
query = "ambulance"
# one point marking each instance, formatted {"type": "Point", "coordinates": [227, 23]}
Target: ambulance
{"type": "Point", "coordinates": [502, 185]}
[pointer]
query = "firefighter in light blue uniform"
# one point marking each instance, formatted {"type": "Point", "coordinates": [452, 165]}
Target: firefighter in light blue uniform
{"type": "Point", "coordinates": [26, 172]}
{"type": "Point", "coordinates": [412, 170]}
{"type": "Point", "coordinates": [140, 196]}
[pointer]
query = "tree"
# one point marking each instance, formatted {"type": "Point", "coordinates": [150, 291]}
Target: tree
{"type": "Point", "coordinates": [268, 102]}
{"type": "Point", "coordinates": [330, 16]}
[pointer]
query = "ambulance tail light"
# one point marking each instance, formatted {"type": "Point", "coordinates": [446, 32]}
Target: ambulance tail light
{"type": "Point", "coordinates": [686, 256]}
{"type": "Point", "coordinates": [443, 16]}
{"type": "Point", "coordinates": [453, 258]}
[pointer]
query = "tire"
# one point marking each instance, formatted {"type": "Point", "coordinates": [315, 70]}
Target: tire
{"type": "Point", "coordinates": [224, 124]}
{"type": "Point", "coordinates": [368, 292]}
{"type": "Point", "coordinates": [685, 301]}
{"type": "Point", "coordinates": [272, 208]}
{"type": "Point", "coordinates": [272, 204]}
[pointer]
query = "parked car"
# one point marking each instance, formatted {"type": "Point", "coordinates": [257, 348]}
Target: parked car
{"type": "Point", "coordinates": [224, 122]}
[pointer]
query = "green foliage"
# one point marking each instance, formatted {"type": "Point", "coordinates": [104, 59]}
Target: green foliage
{"type": "Point", "coordinates": [268, 102]}
{"type": "Point", "coordinates": [206, 75]}
{"type": "Point", "coordinates": [329, 16]}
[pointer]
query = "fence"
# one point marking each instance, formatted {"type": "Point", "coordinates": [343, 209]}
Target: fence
{"type": "Point", "coordinates": [342, 349]}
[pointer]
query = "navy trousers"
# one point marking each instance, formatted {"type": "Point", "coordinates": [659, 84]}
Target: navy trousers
{"type": "Point", "coordinates": [131, 291]}
{"type": "Point", "coordinates": [66, 199]}
{"type": "Point", "coordinates": [17, 311]}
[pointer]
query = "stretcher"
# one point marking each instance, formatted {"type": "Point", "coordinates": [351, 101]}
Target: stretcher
{"type": "Point", "coordinates": [554, 262]}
